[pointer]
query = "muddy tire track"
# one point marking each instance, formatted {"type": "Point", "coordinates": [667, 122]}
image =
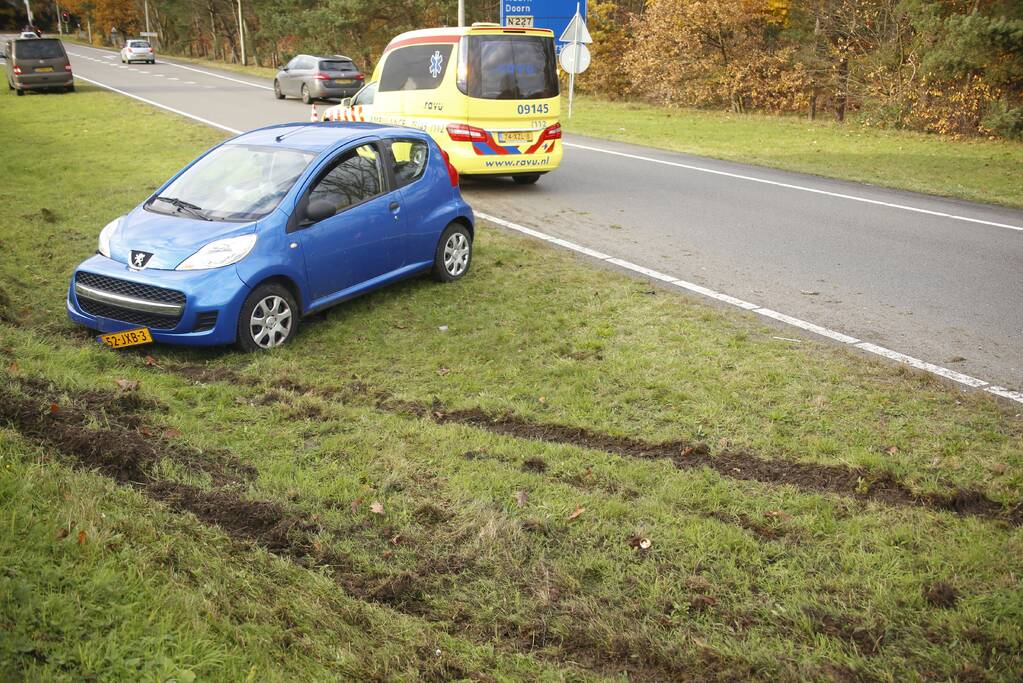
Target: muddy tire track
{"type": "Point", "coordinates": [852, 482]}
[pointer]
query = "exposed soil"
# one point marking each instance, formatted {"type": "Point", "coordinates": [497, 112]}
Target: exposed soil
{"type": "Point", "coordinates": [762, 530]}
{"type": "Point", "coordinates": [847, 481]}
{"type": "Point", "coordinates": [867, 640]}
{"type": "Point", "coordinates": [941, 594]}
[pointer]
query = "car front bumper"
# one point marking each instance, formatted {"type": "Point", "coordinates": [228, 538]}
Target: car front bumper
{"type": "Point", "coordinates": [217, 292]}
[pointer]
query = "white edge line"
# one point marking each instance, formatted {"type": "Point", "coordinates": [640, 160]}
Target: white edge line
{"type": "Point", "coordinates": [161, 106]}
{"type": "Point", "coordinates": [790, 186]}
{"type": "Point", "coordinates": [210, 73]}
{"type": "Point", "coordinates": [952, 375]}
{"type": "Point", "coordinates": [838, 336]}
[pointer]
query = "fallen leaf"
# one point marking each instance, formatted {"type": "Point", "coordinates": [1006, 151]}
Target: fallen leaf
{"type": "Point", "coordinates": [702, 602]}
{"type": "Point", "coordinates": [81, 537]}
{"type": "Point", "coordinates": [63, 533]}
{"type": "Point", "coordinates": [395, 539]}
{"type": "Point", "coordinates": [998, 468]}
{"type": "Point", "coordinates": [891, 450]}
{"type": "Point", "coordinates": [149, 360]}
{"type": "Point", "coordinates": [127, 384]}
{"type": "Point", "coordinates": [543, 399]}
{"type": "Point", "coordinates": [12, 368]}
{"type": "Point", "coordinates": [54, 408]}
{"type": "Point", "coordinates": [575, 515]}
{"type": "Point", "coordinates": [376, 508]}
{"type": "Point", "coordinates": [520, 498]}
{"type": "Point", "coordinates": [777, 514]}
{"type": "Point", "coordinates": [443, 371]}
{"type": "Point", "coordinates": [171, 433]}
{"type": "Point", "coordinates": [355, 505]}
{"type": "Point", "coordinates": [687, 451]}
{"type": "Point", "coordinates": [443, 328]}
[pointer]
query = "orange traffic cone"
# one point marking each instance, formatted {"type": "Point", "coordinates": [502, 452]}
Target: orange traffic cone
{"type": "Point", "coordinates": [313, 116]}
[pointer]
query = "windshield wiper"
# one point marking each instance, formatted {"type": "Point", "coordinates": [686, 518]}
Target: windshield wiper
{"type": "Point", "coordinates": [182, 205]}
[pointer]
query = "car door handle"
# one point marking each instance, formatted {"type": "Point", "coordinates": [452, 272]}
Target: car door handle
{"type": "Point", "coordinates": [395, 206]}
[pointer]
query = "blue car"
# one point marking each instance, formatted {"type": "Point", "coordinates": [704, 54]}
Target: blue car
{"type": "Point", "coordinates": [273, 225]}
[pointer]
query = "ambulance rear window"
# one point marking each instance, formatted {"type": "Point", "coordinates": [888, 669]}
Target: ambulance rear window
{"type": "Point", "coordinates": [509, 67]}
{"type": "Point", "coordinates": [416, 67]}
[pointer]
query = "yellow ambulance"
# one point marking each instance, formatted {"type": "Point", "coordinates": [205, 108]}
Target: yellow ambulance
{"type": "Point", "coordinates": [488, 94]}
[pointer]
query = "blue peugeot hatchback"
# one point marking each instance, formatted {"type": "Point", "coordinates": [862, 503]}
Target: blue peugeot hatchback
{"type": "Point", "coordinates": [272, 225]}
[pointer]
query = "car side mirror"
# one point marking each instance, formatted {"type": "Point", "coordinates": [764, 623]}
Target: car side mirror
{"type": "Point", "coordinates": [318, 210]}
{"type": "Point", "coordinates": [346, 102]}
{"type": "Point", "coordinates": [284, 68]}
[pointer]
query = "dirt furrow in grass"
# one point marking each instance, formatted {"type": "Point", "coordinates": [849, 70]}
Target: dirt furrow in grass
{"type": "Point", "coordinates": [124, 453]}
{"type": "Point", "coordinates": [859, 483]}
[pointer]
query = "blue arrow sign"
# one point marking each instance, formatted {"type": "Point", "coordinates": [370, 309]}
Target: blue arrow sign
{"type": "Point", "coordinates": [552, 14]}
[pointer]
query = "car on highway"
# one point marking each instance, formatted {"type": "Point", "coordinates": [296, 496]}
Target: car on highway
{"type": "Point", "coordinates": [29, 35]}
{"type": "Point", "coordinates": [270, 226]}
{"type": "Point", "coordinates": [37, 64]}
{"type": "Point", "coordinates": [135, 50]}
{"type": "Point", "coordinates": [488, 94]}
{"type": "Point", "coordinates": [318, 78]}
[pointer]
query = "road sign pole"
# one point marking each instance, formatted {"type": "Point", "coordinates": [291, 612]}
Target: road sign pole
{"type": "Point", "coordinates": [461, 12]}
{"type": "Point", "coordinates": [241, 33]}
{"type": "Point", "coordinates": [60, 25]}
{"type": "Point", "coordinates": [28, 10]}
{"type": "Point", "coordinates": [571, 76]}
{"type": "Point", "coordinates": [146, 3]}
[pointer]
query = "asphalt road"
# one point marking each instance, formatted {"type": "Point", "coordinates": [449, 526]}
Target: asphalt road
{"type": "Point", "coordinates": [942, 289]}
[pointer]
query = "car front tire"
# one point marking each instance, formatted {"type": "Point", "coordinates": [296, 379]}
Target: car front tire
{"type": "Point", "coordinates": [277, 90]}
{"type": "Point", "coordinates": [268, 319]}
{"type": "Point", "coordinates": [453, 257]}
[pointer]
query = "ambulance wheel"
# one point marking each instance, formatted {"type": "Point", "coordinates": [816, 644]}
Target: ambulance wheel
{"type": "Point", "coordinates": [526, 178]}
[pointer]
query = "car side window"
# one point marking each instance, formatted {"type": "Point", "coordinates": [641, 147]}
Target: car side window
{"type": "Point", "coordinates": [366, 95]}
{"type": "Point", "coordinates": [355, 177]}
{"type": "Point", "coordinates": [408, 159]}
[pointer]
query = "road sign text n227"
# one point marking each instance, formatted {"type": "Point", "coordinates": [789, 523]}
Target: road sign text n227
{"type": "Point", "coordinates": [552, 14]}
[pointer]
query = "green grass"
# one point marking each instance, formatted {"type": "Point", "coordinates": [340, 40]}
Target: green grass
{"type": "Point", "coordinates": [744, 580]}
{"type": "Point", "coordinates": [978, 170]}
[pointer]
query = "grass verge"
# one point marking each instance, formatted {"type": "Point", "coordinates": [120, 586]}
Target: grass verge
{"type": "Point", "coordinates": [978, 170]}
{"type": "Point", "coordinates": [579, 477]}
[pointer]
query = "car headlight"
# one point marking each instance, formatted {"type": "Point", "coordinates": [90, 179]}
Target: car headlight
{"type": "Point", "coordinates": [104, 236]}
{"type": "Point", "coordinates": [220, 253]}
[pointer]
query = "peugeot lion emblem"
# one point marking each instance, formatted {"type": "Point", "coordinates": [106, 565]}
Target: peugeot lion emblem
{"type": "Point", "coordinates": [139, 259]}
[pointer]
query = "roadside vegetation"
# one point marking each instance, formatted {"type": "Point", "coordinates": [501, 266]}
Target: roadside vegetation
{"type": "Point", "coordinates": [547, 471]}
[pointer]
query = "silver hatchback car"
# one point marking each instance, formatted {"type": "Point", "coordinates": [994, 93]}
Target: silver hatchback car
{"type": "Point", "coordinates": [318, 78]}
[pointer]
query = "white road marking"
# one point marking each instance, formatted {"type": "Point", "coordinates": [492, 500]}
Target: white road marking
{"type": "Point", "coordinates": [162, 106]}
{"type": "Point", "coordinates": [790, 186]}
{"type": "Point", "coordinates": [959, 377]}
{"type": "Point", "coordinates": [172, 78]}
{"type": "Point", "coordinates": [189, 82]}
{"type": "Point", "coordinates": [210, 73]}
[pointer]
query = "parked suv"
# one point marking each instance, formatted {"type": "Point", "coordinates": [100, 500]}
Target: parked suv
{"type": "Point", "coordinates": [318, 78]}
{"type": "Point", "coordinates": [38, 64]}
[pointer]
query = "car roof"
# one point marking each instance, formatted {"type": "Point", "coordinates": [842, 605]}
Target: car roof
{"type": "Point", "coordinates": [451, 34]}
{"type": "Point", "coordinates": [316, 137]}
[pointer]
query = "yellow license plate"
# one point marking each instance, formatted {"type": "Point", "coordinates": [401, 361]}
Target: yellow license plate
{"type": "Point", "coordinates": [518, 137]}
{"type": "Point", "coordinates": [343, 81]}
{"type": "Point", "coordinates": [44, 70]}
{"type": "Point", "coordinates": [116, 340]}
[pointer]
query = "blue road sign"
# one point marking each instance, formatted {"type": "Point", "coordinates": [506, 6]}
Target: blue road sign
{"type": "Point", "coordinates": [552, 14]}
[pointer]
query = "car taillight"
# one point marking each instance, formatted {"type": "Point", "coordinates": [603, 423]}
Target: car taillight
{"type": "Point", "coordinates": [552, 132]}
{"type": "Point", "coordinates": [360, 77]}
{"type": "Point", "coordinates": [460, 132]}
{"type": "Point", "coordinates": [67, 67]}
{"type": "Point", "coordinates": [17, 71]}
{"type": "Point", "coordinates": [452, 171]}
{"type": "Point", "coordinates": [320, 76]}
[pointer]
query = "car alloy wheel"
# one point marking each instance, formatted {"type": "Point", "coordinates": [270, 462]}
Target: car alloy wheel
{"type": "Point", "coordinates": [456, 254]}
{"type": "Point", "coordinates": [305, 95]}
{"type": "Point", "coordinates": [270, 322]}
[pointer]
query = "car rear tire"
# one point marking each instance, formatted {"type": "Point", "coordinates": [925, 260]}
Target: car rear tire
{"type": "Point", "coordinates": [453, 257]}
{"type": "Point", "coordinates": [277, 90]}
{"type": "Point", "coordinates": [19, 91]}
{"type": "Point", "coordinates": [526, 178]}
{"type": "Point", "coordinates": [70, 88]}
{"type": "Point", "coordinates": [268, 319]}
{"type": "Point", "coordinates": [305, 95]}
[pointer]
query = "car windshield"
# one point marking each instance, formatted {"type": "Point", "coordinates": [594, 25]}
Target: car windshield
{"type": "Point", "coordinates": [138, 43]}
{"type": "Point", "coordinates": [508, 67]}
{"type": "Point", "coordinates": [233, 183]}
{"type": "Point", "coordinates": [39, 48]}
